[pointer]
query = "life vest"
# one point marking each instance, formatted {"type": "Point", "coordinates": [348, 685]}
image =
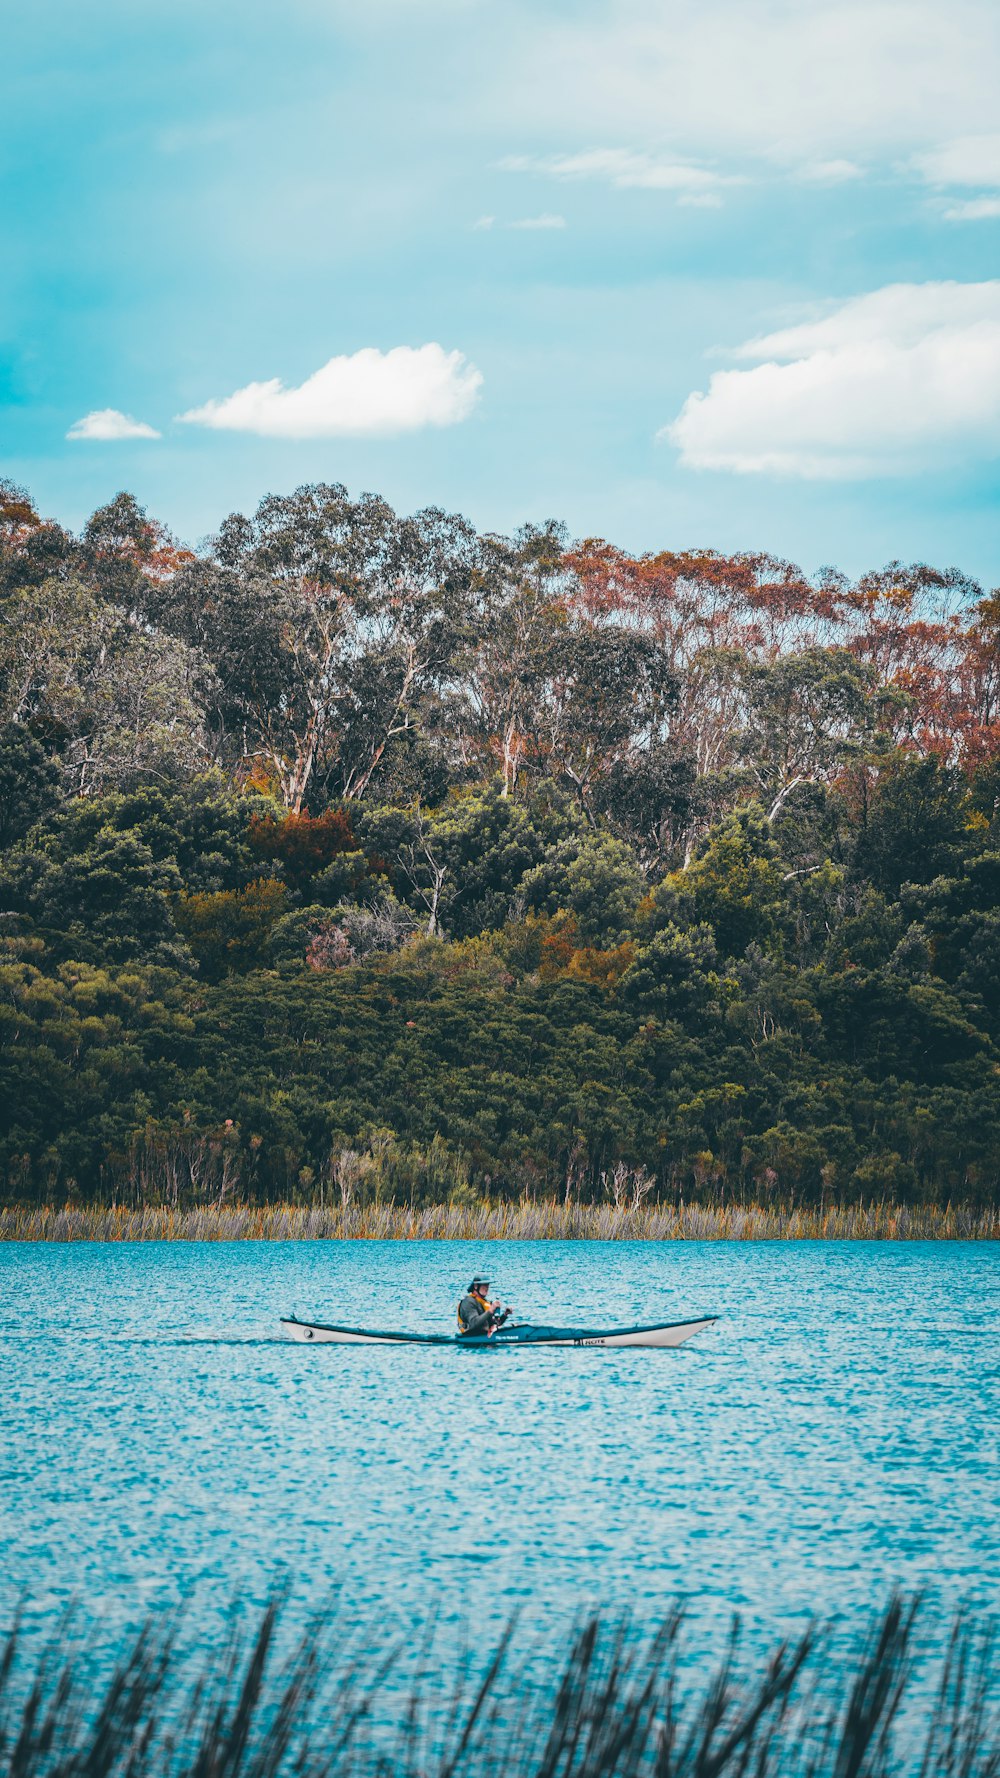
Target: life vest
{"type": "Point", "coordinates": [484, 1306]}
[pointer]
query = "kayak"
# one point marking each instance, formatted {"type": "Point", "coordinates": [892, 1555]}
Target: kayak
{"type": "Point", "coordinates": [664, 1333]}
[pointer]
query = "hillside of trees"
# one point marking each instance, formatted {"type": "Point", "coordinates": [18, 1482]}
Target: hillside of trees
{"type": "Point", "coordinates": [371, 855]}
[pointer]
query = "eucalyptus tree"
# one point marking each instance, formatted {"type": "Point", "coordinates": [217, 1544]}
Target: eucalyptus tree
{"type": "Point", "coordinates": [514, 615]}
{"type": "Point", "coordinates": [31, 549]}
{"type": "Point", "coordinates": [804, 717]}
{"type": "Point", "coordinates": [603, 700]}
{"type": "Point", "coordinates": [334, 620]}
{"type": "Point", "coordinates": [114, 700]}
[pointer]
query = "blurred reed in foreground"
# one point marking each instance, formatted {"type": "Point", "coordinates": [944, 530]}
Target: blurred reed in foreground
{"type": "Point", "coordinates": [614, 1706]}
{"type": "Point", "coordinates": [523, 1221]}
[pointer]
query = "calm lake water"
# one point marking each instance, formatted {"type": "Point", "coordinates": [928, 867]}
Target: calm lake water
{"type": "Point", "coordinates": [834, 1434]}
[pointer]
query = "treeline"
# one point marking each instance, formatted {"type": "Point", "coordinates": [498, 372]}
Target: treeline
{"type": "Point", "coordinates": [373, 859]}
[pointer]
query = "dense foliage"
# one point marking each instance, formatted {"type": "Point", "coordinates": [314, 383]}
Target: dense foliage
{"type": "Point", "coordinates": [371, 856]}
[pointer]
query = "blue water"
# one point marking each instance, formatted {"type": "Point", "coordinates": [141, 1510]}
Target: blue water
{"type": "Point", "coordinates": [836, 1433]}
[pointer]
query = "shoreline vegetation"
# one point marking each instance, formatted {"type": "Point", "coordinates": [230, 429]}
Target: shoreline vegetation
{"type": "Point", "coordinates": [617, 1703]}
{"type": "Point", "coordinates": [370, 859]}
{"type": "Point", "coordinates": [525, 1221]}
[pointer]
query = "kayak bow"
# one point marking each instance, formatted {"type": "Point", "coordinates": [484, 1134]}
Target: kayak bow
{"type": "Point", "coordinates": [664, 1333]}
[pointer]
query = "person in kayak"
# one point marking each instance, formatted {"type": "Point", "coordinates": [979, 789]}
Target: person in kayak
{"type": "Point", "coordinates": [476, 1314]}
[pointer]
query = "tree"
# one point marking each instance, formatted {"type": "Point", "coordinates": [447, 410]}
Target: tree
{"type": "Point", "coordinates": [506, 647]}
{"type": "Point", "coordinates": [594, 877]}
{"type": "Point", "coordinates": [110, 902]}
{"type": "Point", "coordinates": [734, 886]}
{"type": "Point", "coordinates": [302, 845]}
{"type": "Point", "coordinates": [916, 828]}
{"type": "Point", "coordinates": [486, 844]}
{"type": "Point", "coordinates": [919, 629]}
{"type": "Point", "coordinates": [200, 827]}
{"type": "Point", "coordinates": [673, 975]}
{"type": "Point", "coordinates": [231, 929]}
{"type": "Point", "coordinates": [123, 550]}
{"type": "Point", "coordinates": [806, 715]}
{"type": "Point", "coordinates": [651, 798]}
{"type": "Point", "coordinates": [31, 549]}
{"type": "Point", "coordinates": [29, 782]}
{"type": "Point", "coordinates": [601, 701]}
{"type": "Point", "coordinates": [119, 703]}
{"type": "Point", "coordinates": [364, 605]}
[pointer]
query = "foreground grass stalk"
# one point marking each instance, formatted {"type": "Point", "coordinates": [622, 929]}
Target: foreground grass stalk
{"type": "Point", "coordinates": [616, 1705]}
{"type": "Point", "coordinates": [524, 1221]}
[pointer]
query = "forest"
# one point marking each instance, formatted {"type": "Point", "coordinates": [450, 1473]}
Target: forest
{"type": "Point", "coordinates": [365, 858]}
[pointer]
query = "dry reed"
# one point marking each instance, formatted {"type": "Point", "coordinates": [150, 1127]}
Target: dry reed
{"type": "Point", "coordinates": [615, 1706]}
{"type": "Point", "coordinates": [499, 1221]}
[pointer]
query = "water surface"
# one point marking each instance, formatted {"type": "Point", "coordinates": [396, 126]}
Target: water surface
{"type": "Point", "coordinates": [835, 1434]}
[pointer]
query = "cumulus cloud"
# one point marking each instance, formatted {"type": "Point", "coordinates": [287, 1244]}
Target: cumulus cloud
{"type": "Point", "coordinates": [106, 424]}
{"type": "Point", "coordinates": [886, 383]}
{"type": "Point", "coordinates": [364, 394]}
{"type": "Point", "coordinates": [624, 168]}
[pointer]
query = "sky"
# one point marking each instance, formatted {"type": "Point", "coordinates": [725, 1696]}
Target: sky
{"type": "Point", "coordinates": [682, 273]}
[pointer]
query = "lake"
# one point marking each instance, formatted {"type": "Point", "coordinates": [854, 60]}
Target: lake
{"type": "Point", "coordinates": [834, 1435]}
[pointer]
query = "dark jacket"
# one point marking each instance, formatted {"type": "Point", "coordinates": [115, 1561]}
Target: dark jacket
{"type": "Point", "coordinates": [475, 1315]}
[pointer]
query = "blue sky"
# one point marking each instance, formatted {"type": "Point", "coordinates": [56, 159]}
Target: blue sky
{"type": "Point", "coordinates": [719, 274]}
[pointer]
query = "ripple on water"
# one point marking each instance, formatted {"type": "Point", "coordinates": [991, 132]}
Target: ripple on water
{"type": "Point", "coordinates": [834, 1435]}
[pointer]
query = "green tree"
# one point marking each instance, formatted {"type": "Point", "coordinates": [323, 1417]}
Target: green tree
{"type": "Point", "coordinates": [735, 885]}
{"type": "Point", "coordinates": [109, 902]}
{"type": "Point", "coordinates": [917, 827]}
{"type": "Point", "coordinates": [231, 929]}
{"type": "Point", "coordinates": [120, 704]}
{"type": "Point", "coordinates": [593, 876]}
{"type": "Point", "coordinates": [674, 975]}
{"type": "Point", "coordinates": [29, 782]}
{"type": "Point", "coordinates": [806, 715]}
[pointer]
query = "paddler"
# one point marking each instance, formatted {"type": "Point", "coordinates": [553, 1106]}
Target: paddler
{"type": "Point", "coordinates": [476, 1314]}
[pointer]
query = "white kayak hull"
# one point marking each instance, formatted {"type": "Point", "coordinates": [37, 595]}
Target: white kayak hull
{"type": "Point", "coordinates": [666, 1334]}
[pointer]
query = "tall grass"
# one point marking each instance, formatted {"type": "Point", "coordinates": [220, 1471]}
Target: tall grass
{"type": "Point", "coordinates": [524, 1221]}
{"type": "Point", "coordinates": [614, 1706]}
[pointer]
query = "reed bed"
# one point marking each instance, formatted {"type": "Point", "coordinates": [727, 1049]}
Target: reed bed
{"type": "Point", "coordinates": [611, 1704]}
{"type": "Point", "coordinates": [500, 1221]}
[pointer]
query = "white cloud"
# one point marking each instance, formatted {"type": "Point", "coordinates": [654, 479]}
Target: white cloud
{"type": "Point", "coordinates": [965, 162]}
{"type": "Point", "coordinates": [545, 221]}
{"type": "Point", "coordinates": [365, 394]}
{"type": "Point", "coordinates": [624, 168]}
{"type": "Point", "coordinates": [968, 160]}
{"type": "Point", "coordinates": [885, 384]}
{"type": "Point", "coordinates": [529, 222]}
{"type": "Point", "coordinates": [834, 172]}
{"type": "Point", "coordinates": [690, 182]}
{"type": "Point", "coordinates": [801, 80]}
{"type": "Point", "coordinates": [107, 424]}
{"type": "Point", "coordinates": [973, 210]}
